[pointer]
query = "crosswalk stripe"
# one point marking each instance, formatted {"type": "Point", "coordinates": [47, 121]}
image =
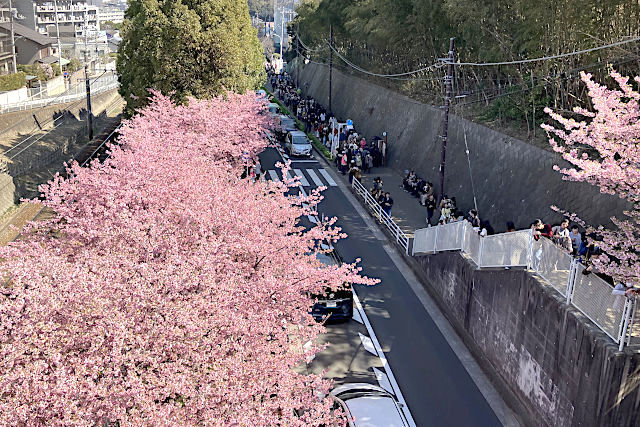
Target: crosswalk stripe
{"type": "Point", "coordinates": [311, 218]}
{"type": "Point", "coordinates": [273, 175]}
{"type": "Point", "coordinates": [316, 179]}
{"type": "Point", "coordinates": [303, 179]}
{"type": "Point", "coordinates": [326, 176]}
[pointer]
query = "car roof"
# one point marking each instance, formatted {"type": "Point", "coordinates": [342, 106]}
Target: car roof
{"type": "Point", "coordinates": [297, 133]}
{"type": "Point", "coordinates": [375, 411]}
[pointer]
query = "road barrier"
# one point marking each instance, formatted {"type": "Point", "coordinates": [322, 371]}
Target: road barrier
{"type": "Point", "coordinates": [401, 237]}
{"type": "Point", "coordinates": [591, 295]}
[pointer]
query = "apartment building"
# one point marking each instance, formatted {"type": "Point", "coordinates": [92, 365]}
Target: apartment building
{"type": "Point", "coordinates": [77, 22]}
{"type": "Point", "coordinates": [40, 15]}
{"type": "Point", "coordinates": [111, 14]}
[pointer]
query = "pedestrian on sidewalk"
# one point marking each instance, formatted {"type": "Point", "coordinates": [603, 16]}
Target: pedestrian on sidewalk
{"type": "Point", "coordinates": [376, 190]}
{"type": "Point", "coordinates": [343, 163]}
{"type": "Point", "coordinates": [387, 204]}
{"type": "Point", "coordinates": [352, 171]}
{"type": "Point", "coordinates": [368, 160]}
{"type": "Point", "coordinates": [431, 207]}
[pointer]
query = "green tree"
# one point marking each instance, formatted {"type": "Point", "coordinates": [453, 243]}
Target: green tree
{"type": "Point", "coordinates": [196, 48]}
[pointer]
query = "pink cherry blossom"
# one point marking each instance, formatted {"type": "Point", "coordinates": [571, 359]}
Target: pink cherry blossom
{"type": "Point", "coordinates": [166, 290]}
{"type": "Point", "coordinates": [603, 146]}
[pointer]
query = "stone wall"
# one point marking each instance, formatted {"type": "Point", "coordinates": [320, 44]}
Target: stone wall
{"type": "Point", "coordinates": [560, 367]}
{"type": "Point", "coordinates": [513, 180]}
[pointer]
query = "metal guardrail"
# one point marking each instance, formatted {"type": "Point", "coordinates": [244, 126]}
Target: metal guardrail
{"type": "Point", "coordinates": [591, 295]}
{"type": "Point", "coordinates": [401, 237]}
{"type": "Point", "coordinates": [76, 93]}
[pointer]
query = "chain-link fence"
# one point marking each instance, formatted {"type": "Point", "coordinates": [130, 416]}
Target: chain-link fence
{"type": "Point", "coordinates": [552, 263]}
{"type": "Point", "coordinates": [593, 297]}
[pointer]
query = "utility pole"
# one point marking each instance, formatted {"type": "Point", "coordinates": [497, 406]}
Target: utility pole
{"type": "Point", "coordinates": [88, 87]}
{"type": "Point", "coordinates": [298, 56]}
{"type": "Point", "coordinates": [13, 39]}
{"type": "Point", "coordinates": [330, 64]}
{"type": "Point", "coordinates": [281, 32]}
{"type": "Point", "coordinates": [86, 35]}
{"type": "Point", "coordinates": [447, 104]}
{"type": "Point", "coordinates": [55, 8]}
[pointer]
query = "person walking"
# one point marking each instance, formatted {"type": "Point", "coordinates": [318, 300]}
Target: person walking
{"type": "Point", "coordinates": [387, 204]}
{"type": "Point", "coordinates": [352, 171]}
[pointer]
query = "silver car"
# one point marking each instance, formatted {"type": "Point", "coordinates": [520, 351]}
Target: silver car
{"type": "Point", "coordinates": [297, 143]}
{"type": "Point", "coordinates": [368, 405]}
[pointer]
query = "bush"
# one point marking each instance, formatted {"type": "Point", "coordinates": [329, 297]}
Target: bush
{"type": "Point", "coordinates": [12, 81]}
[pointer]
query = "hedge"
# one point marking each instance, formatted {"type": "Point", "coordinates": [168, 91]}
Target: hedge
{"type": "Point", "coordinates": [321, 148]}
{"type": "Point", "coordinates": [12, 81]}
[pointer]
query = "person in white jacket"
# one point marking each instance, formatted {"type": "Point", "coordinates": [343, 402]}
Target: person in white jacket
{"type": "Point", "coordinates": [621, 290]}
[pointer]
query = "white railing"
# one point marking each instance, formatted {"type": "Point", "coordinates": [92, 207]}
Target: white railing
{"type": "Point", "coordinates": [401, 237]}
{"type": "Point", "coordinates": [74, 93]}
{"type": "Point", "coordinates": [591, 295]}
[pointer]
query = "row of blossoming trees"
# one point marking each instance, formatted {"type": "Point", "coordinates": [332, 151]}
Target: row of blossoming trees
{"type": "Point", "coordinates": [167, 290]}
{"type": "Point", "coordinates": [603, 146]}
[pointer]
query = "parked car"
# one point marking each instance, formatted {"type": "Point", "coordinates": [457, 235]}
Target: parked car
{"type": "Point", "coordinates": [369, 405]}
{"type": "Point", "coordinates": [333, 304]}
{"type": "Point", "coordinates": [297, 143]}
{"type": "Point", "coordinates": [274, 108]}
{"type": "Point", "coordinates": [287, 123]}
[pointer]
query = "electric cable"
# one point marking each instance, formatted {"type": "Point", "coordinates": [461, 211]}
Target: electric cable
{"type": "Point", "coordinates": [362, 70]}
{"type": "Point", "coordinates": [544, 58]}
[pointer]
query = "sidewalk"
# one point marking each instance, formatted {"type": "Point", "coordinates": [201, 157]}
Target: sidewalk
{"type": "Point", "coordinates": [407, 211]}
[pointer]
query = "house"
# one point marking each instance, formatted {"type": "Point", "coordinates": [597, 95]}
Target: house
{"type": "Point", "coordinates": [31, 46]}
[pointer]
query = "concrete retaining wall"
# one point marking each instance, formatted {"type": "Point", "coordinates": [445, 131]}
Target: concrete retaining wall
{"type": "Point", "coordinates": [564, 370]}
{"type": "Point", "coordinates": [514, 181]}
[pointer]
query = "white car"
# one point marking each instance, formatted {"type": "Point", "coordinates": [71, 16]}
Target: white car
{"type": "Point", "coordinates": [368, 405]}
{"type": "Point", "coordinates": [297, 143]}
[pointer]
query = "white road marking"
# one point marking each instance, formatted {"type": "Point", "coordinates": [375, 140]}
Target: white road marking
{"type": "Point", "coordinates": [304, 161]}
{"type": "Point", "coordinates": [316, 179]}
{"type": "Point", "coordinates": [273, 175]}
{"type": "Point", "coordinates": [312, 218]}
{"type": "Point", "coordinates": [303, 179]}
{"type": "Point", "coordinates": [326, 176]}
{"type": "Point", "coordinates": [383, 359]}
{"type": "Point", "coordinates": [383, 380]}
{"type": "Point", "coordinates": [356, 316]}
{"type": "Point", "coordinates": [368, 344]}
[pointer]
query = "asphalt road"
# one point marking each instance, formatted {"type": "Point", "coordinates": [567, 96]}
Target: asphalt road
{"type": "Point", "coordinates": [433, 381]}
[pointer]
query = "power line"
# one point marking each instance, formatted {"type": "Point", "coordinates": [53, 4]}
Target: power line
{"type": "Point", "coordinates": [545, 58]}
{"type": "Point", "coordinates": [556, 76]}
{"type": "Point", "coordinates": [362, 70]}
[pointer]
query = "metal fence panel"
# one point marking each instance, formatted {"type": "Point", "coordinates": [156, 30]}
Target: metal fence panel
{"type": "Point", "coordinates": [505, 249]}
{"type": "Point", "coordinates": [552, 263]}
{"type": "Point", "coordinates": [635, 326]}
{"type": "Point", "coordinates": [593, 297]}
{"type": "Point", "coordinates": [424, 240]}
{"type": "Point", "coordinates": [449, 237]}
{"type": "Point", "coordinates": [471, 243]}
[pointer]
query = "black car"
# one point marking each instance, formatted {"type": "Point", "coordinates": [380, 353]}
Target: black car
{"type": "Point", "coordinates": [333, 304]}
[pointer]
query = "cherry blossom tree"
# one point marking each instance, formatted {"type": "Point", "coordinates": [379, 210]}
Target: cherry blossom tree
{"type": "Point", "coordinates": [604, 148]}
{"type": "Point", "coordinates": [166, 289]}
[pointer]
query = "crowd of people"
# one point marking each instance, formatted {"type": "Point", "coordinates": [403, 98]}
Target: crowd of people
{"type": "Point", "coordinates": [355, 156]}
